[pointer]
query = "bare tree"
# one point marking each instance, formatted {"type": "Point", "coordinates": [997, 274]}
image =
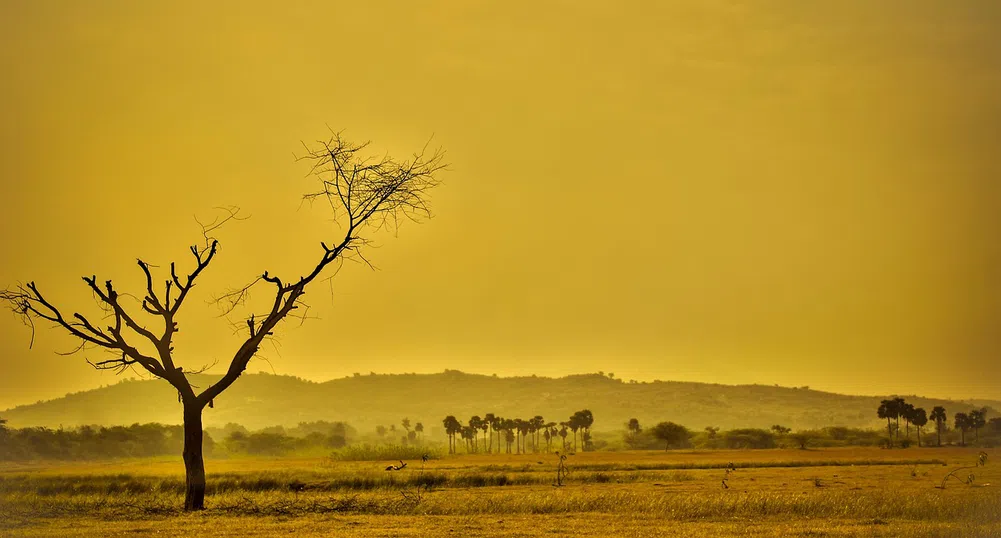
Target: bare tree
{"type": "Point", "coordinates": [365, 194]}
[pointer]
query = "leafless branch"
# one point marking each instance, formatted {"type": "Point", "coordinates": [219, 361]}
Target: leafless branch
{"type": "Point", "coordinates": [28, 303]}
{"type": "Point", "coordinates": [363, 193]}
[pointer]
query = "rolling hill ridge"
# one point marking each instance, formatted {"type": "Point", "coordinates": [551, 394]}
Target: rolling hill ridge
{"type": "Point", "coordinates": [364, 401]}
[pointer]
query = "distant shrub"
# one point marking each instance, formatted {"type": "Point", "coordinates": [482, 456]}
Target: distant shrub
{"type": "Point", "coordinates": [749, 438]}
{"type": "Point", "coordinates": [368, 452]}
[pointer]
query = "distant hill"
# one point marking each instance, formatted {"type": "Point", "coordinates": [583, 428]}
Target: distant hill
{"type": "Point", "coordinates": [259, 400]}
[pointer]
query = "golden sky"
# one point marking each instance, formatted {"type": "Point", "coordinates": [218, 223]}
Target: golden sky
{"type": "Point", "coordinates": [801, 193]}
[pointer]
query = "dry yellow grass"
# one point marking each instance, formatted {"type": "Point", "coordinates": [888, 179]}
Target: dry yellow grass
{"type": "Point", "coordinates": [831, 492]}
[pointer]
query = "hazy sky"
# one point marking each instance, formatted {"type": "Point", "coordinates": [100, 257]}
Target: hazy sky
{"type": "Point", "coordinates": [801, 193]}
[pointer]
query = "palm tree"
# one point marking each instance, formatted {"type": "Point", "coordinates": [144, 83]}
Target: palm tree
{"type": "Point", "coordinates": [899, 405]}
{"type": "Point", "coordinates": [962, 424]}
{"type": "Point", "coordinates": [906, 413]}
{"type": "Point", "coordinates": [505, 426]}
{"type": "Point", "coordinates": [537, 424]}
{"type": "Point", "coordinates": [553, 432]}
{"type": "Point", "coordinates": [586, 420]}
{"type": "Point", "coordinates": [419, 428]}
{"type": "Point", "coordinates": [530, 433]}
{"type": "Point", "coordinates": [475, 423]}
{"type": "Point", "coordinates": [491, 421]}
{"type": "Point", "coordinates": [888, 409]}
{"type": "Point", "coordinates": [523, 427]}
{"type": "Point", "coordinates": [940, 418]}
{"type": "Point", "coordinates": [574, 424]}
{"type": "Point", "coordinates": [499, 427]}
{"type": "Point", "coordinates": [406, 424]}
{"type": "Point", "coordinates": [452, 426]}
{"type": "Point", "coordinates": [485, 427]}
{"type": "Point", "coordinates": [919, 418]}
{"type": "Point", "coordinates": [563, 434]}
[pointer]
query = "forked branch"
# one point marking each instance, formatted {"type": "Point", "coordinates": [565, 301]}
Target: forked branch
{"type": "Point", "coordinates": [364, 193]}
{"type": "Point", "coordinates": [28, 303]}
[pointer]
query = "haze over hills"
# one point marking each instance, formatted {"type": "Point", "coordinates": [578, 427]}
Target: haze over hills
{"type": "Point", "coordinates": [364, 401]}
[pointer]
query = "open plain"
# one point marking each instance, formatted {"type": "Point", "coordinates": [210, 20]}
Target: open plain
{"type": "Point", "coordinates": [782, 492]}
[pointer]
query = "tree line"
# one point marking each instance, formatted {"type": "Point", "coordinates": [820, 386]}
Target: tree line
{"type": "Point", "coordinates": [515, 434]}
{"type": "Point", "coordinates": [669, 435]}
{"type": "Point", "coordinates": [154, 439]}
{"type": "Point", "coordinates": [92, 442]}
{"type": "Point", "coordinates": [896, 409]}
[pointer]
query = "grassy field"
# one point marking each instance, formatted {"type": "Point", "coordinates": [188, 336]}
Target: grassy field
{"type": "Point", "coordinates": [823, 492]}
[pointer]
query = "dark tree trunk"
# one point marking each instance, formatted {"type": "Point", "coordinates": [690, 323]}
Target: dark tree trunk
{"type": "Point", "coordinates": [938, 429]}
{"type": "Point", "coordinates": [194, 466]}
{"type": "Point", "coordinates": [889, 431]}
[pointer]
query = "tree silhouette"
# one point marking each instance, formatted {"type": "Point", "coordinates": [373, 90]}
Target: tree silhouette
{"type": "Point", "coordinates": [563, 434]}
{"type": "Point", "coordinates": [498, 426]}
{"type": "Point", "coordinates": [889, 410]}
{"type": "Point", "coordinates": [940, 418]}
{"type": "Point", "coordinates": [919, 418]}
{"type": "Point", "coordinates": [476, 424]}
{"type": "Point", "coordinates": [780, 430]}
{"type": "Point", "coordinates": [670, 433]}
{"type": "Point", "coordinates": [962, 424]}
{"type": "Point", "coordinates": [537, 423]}
{"type": "Point", "coordinates": [550, 434]}
{"type": "Point", "coordinates": [994, 423]}
{"type": "Point", "coordinates": [491, 420]}
{"type": "Point", "coordinates": [469, 436]}
{"type": "Point", "coordinates": [711, 431]}
{"type": "Point", "coordinates": [380, 430]}
{"type": "Point", "coordinates": [419, 428]}
{"type": "Point", "coordinates": [978, 419]}
{"type": "Point", "coordinates": [523, 427]}
{"type": "Point", "coordinates": [574, 424]}
{"type": "Point", "coordinates": [802, 438]}
{"type": "Point", "coordinates": [406, 424]}
{"type": "Point", "coordinates": [510, 427]}
{"type": "Point", "coordinates": [906, 413]}
{"type": "Point", "coordinates": [365, 194]}
{"type": "Point", "coordinates": [452, 427]}
{"type": "Point", "coordinates": [485, 427]}
{"type": "Point", "coordinates": [899, 405]}
{"type": "Point", "coordinates": [633, 427]}
{"type": "Point", "coordinates": [586, 421]}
